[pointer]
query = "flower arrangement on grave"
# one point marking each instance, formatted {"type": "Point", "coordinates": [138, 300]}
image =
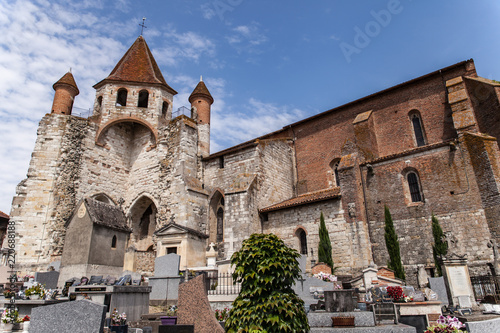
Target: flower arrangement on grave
{"type": "Point", "coordinates": [26, 318]}
{"type": "Point", "coordinates": [222, 315]}
{"type": "Point", "coordinates": [172, 311]}
{"type": "Point", "coordinates": [7, 293]}
{"type": "Point", "coordinates": [11, 316]}
{"type": "Point", "coordinates": [446, 325]}
{"type": "Point", "coordinates": [396, 293]}
{"type": "Point", "coordinates": [328, 278]}
{"type": "Point", "coordinates": [118, 319]}
{"type": "Point", "coordinates": [36, 289]}
{"type": "Point", "coordinates": [27, 277]}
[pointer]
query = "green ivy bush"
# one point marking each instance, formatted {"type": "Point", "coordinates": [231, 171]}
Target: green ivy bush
{"type": "Point", "coordinates": [267, 269]}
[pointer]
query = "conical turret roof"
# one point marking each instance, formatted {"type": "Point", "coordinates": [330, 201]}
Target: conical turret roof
{"type": "Point", "coordinates": [138, 66]}
{"type": "Point", "coordinates": [67, 79]}
{"type": "Point", "coordinates": [201, 90]}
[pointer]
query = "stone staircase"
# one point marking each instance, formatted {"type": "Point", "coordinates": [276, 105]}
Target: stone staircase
{"type": "Point", "coordinates": [364, 321]}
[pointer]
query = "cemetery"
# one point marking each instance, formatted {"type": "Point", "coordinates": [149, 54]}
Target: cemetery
{"type": "Point", "coordinates": [204, 300]}
{"type": "Point", "coordinates": [146, 231]}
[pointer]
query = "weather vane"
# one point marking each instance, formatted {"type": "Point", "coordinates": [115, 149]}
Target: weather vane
{"type": "Point", "coordinates": [142, 25]}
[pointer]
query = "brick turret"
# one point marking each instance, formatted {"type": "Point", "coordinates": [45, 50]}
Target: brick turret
{"type": "Point", "coordinates": [201, 101]}
{"type": "Point", "coordinates": [66, 90]}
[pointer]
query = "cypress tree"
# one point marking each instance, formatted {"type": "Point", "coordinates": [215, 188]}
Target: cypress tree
{"type": "Point", "coordinates": [439, 248]}
{"type": "Point", "coordinates": [392, 244]}
{"type": "Point", "coordinates": [325, 246]}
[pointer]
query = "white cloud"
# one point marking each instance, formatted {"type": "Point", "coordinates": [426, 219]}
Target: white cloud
{"type": "Point", "coordinates": [188, 46]}
{"type": "Point", "coordinates": [248, 35]}
{"type": "Point", "coordinates": [253, 119]}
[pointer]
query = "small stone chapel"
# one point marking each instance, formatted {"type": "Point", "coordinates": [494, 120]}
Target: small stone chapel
{"type": "Point", "coordinates": [135, 181]}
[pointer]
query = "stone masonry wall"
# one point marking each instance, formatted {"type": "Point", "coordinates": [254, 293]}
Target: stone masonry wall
{"type": "Point", "coordinates": [449, 191]}
{"type": "Point", "coordinates": [284, 223]}
{"type": "Point", "coordinates": [48, 194]}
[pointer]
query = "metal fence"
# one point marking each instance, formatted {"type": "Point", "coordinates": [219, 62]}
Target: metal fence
{"type": "Point", "coordinates": [221, 284]}
{"type": "Point", "coordinates": [182, 111]}
{"type": "Point", "coordinates": [216, 283]}
{"type": "Point", "coordinates": [486, 285]}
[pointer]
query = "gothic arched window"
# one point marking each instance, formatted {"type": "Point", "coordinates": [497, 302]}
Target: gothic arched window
{"type": "Point", "coordinates": [414, 187]}
{"type": "Point", "coordinates": [113, 242]}
{"type": "Point", "coordinates": [220, 225]}
{"type": "Point", "coordinates": [334, 165]}
{"type": "Point", "coordinates": [418, 129]}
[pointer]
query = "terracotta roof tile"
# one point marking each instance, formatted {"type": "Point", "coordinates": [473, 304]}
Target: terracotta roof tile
{"type": "Point", "coordinates": [3, 215]}
{"type": "Point", "coordinates": [67, 79]}
{"type": "Point", "coordinates": [201, 90]}
{"type": "Point", "coordinates": [138, 65]}
{"type": "Point", "coordinates": [306, 198]}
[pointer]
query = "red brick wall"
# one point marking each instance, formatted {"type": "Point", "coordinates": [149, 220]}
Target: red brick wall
{"type": "Point", "coordinates": [320, 139]}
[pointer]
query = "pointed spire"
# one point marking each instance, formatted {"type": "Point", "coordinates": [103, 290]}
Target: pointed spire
{"type": "Point", "coordinates": [138, 66]}
{"type": "Point", "coordinates": [201, 90]}
{"type": "Point", "coordinates": [67, 80]}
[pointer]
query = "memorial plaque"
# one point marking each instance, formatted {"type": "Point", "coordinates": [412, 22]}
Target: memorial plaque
{"type": "Point", "coordinates": [87, 289]}
{"type": "Point", "coordinates": [459, 280]}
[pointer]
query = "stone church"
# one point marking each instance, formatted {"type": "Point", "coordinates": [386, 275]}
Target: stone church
{"type": "Point", "coordinates": [426, 146]}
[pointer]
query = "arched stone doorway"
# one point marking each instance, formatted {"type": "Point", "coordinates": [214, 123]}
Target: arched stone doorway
{"type": "Point", "coordinates": [142, 220]}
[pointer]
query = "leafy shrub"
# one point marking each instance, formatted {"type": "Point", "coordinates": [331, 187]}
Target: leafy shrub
{"type": "Point", "coordinates": [267, 269]}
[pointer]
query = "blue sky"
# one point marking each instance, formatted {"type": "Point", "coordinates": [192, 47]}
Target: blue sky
{"type": "Point", "coordinates": [266, 63]}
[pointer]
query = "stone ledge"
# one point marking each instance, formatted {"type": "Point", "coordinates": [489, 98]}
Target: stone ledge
{"type": "Point", "coordinates": [324, 319]}
{"type": "Point", "coordinates": [401, 328]}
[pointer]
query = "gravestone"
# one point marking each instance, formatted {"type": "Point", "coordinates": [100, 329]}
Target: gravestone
{"type": "Point", "coordinates": [438, 286]}
{"type": "Point", "coordinates": [165, 282]}
{"type": "Point", "coordinates": [340, 300]}
{"type": "Point", "coordinates": [135, 278]}
{"type": "Point", "coordinates": [419, 296]}
{"type": "Point", "coordinates": [48, 279]}
{"type": "Point", "coordinates": [76, 317]}
{"type": "Point", "coordinates": [194, 308]}
{"type": "Point", "coordinates": [309, 288]}
{"type": "Point", "coordinates": [95, 279]}
{"type": "Point", "coordinates": [124, 280]}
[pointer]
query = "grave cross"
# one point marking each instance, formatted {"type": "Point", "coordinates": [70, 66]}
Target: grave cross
{"type": "Point", "coordinates": [301, 279]}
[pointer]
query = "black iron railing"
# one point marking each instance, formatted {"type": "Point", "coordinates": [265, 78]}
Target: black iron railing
{"type": "Point", "coordinates": [486, 285]}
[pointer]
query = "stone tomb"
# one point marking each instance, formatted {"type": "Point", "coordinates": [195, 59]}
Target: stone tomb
{"type": "Point", "coordinates": [133, 300]}
{"type": "Point", "coordinates": [165, 282]}
{"type": "Point", "coordinates": [76, 317]}
{"type": "Point", "coordinates": [457, 279]}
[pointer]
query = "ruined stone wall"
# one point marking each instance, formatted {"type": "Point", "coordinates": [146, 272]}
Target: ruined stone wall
{"type": "Point", "coordinates": [46, 198]}
{"type": "Point", "coordinates": [348, 255]}
{"type": "Point", "coordinates": [181, 191]}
